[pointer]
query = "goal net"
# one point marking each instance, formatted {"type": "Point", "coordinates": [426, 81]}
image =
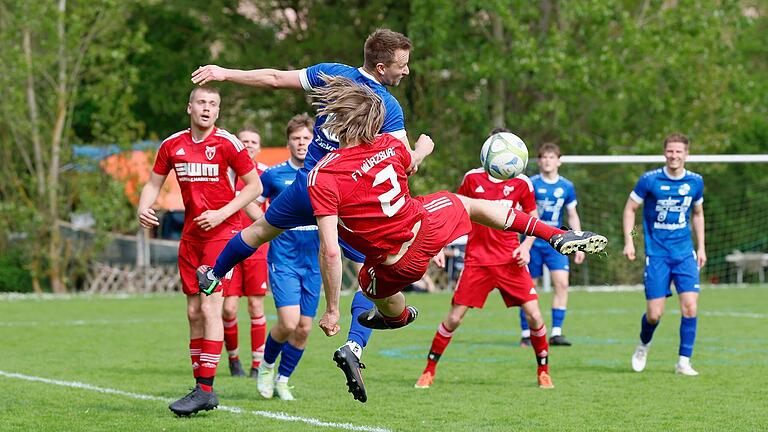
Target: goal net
{"type": "Point", "coordinates": [735, 212]}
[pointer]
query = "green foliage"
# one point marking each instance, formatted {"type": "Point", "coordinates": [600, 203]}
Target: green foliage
{"type": "Point", "coordinates": [14, 276]}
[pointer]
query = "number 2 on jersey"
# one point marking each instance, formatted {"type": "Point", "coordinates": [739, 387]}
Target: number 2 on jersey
{"type": "Point", "coordinates": [386, 198]}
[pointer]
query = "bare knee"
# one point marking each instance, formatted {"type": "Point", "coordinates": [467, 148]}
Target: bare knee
{"type": "Point", "coordinates": [229, 312]}
{"type": "Point", "coordinates": [255, 306]}
{"type": "Point", "coordinates": [453, 321]}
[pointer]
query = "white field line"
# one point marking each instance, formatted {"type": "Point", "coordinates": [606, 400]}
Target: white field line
{"type": "Point", "coordinates": [268, 414]}
{"type": "Point", "coordinates": [82, 322]}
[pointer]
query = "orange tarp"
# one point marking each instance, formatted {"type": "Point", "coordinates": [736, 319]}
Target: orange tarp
{"type": "Point", "coordinates": [133, 168]}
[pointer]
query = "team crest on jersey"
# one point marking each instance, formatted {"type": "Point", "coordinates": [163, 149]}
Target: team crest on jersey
{"type": "Point", "coordinates": [210, 152]}
{"type": "Point", "coordinates": [559, 192]}
{"type": "Point", "coordinates": [684, 189]}
{"type": "Point", "coordinates": [508, 190]}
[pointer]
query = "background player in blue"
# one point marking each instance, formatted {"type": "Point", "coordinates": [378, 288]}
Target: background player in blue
{"type": "Point", "coordinates": [386, 62]}
{"type": "Point", "coordinates": [673, 201]}
{"type": "Point", "coordinates": [294, 272]}
{"type": "Point", "coordinates": [553, 195]}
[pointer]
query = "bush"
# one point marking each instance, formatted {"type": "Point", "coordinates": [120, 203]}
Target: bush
{"type": "Point", "coordinates": [14, 277]}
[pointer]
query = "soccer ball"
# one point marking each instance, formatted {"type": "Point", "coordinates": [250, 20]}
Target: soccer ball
{"type": "Point", "coordinates": [504, 156]}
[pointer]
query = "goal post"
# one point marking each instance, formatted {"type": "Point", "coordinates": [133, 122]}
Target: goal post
{"type": "Point", "coordinates": [735, 212]}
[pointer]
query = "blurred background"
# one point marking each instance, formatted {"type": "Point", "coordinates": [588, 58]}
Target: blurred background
{"type": "Point", "coordinates": [88, 89]}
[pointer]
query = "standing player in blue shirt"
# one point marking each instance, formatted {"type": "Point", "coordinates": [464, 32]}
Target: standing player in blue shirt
{"type": "Point", "coordinates": [294, 273]}
{"type": "Point", "coordinates": [553, 195]}
{"type": "Point", "coordinates": [673, 201]}
{"type": "Point", "coordinates": [386, 62]}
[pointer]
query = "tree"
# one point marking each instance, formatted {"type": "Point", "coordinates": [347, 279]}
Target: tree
{"type": "Point", "coordinates": [57, 55]}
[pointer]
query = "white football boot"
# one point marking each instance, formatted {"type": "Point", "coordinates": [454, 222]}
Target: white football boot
{"type": "Point", "coordinates": [640, 357]}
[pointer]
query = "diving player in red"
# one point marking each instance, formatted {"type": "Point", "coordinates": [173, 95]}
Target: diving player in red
{"type": "Point", "coordinates": [204, 158]}
{"type": "Point", "coordinates": [360, 192]}
{"type": "Point", "coordinates": [494, 259]}
{"type": "Point", "coordinates": [249, 278]}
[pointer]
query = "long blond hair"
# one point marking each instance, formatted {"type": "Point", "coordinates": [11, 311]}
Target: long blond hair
{"type": "Point", "coordinates": [354, 112]}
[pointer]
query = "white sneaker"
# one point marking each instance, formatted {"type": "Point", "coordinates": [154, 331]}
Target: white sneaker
{"type": "Point", "coordinates": [685, 369]}
{"type": "Point", "coordinates": [265, 382]}
{"type": "Point", "coordinates": [284, 391]}
{"type": "Point", "coordinates": [640, 357]}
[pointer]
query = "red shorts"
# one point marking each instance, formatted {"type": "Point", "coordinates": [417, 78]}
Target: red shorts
{"type": "Point", "coordinates": [476, 282]}
{"type": "Point", "coordinates": [193, 254]}
{"type": "Point", "coordinates": [446, 222]}
{"type": "Point", "coordinates": [249, 278]}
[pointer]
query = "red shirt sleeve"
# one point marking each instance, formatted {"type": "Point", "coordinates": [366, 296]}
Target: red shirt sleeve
{"type": "Point", "coordinates": [238, 160]}
{"type": "Point", "coordinates": [405, 154]}
{"type": "Point", "coordinates": [324, 195]}
{"type": "Point", "coordinates": [162, 162]}
{"type": "Point", "coordinates": [464, 188]}
{"type": "Point", "coordinates": [528, 200]}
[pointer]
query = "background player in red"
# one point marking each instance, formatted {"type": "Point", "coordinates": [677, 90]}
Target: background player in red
{"type": "Point", "coordinates": [248, 279]}
{"type": "Point", "coordinates": [360, 192]}
{"type": "Point", "coordinates": [203, 157]}
{"type": "Point", "coordinates": [494, 259]}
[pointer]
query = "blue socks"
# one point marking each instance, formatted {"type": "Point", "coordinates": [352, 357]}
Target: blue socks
{"type": "Point", "coordinates": [523, 321]}
{"type": "Point", "coordinates": [358, 333]}
{"type": "Point", "coordinates": [235, 252]}
{"type": "Point", "coordinates": [646, 330]}
{"type": "Point", "coordinates": [289, 359]}
{"type": "Point", "coordinates": [272, 349]}
{"type": "Point", "coordinates": [687, 336]}
{"type": "Point", "coordinates": [558, 316]}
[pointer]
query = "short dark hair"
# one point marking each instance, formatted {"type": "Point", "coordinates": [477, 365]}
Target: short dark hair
{"type": "Point", "coordinates": [205, 88]}
{"type": "Point", "coordinates": [297, 122]}
{"type": "Point", "coordinates": [499, 130]}
{"type": "Point", "coordinates": [676, 137]}
{"type": "Point", "coordinates": [250, 129]}
{"type": "Point", "coordinates": [381, 45]}
{"type": "Point", "coordinates": [549, 148]}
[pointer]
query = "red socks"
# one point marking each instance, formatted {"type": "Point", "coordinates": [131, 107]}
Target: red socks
{"type": "Point", "coordinates": [258, 337]}
{"type": "Point", "coordinates": [540, 348]}
{"type": "Point", "coordinates": [209, 360]}
{"type": "Point", "coordinates": [195, 348]}
{"type": "Point", "coordinates": [439, 344]}
{"type": "Point", "coordinates": [398, 321]}
{"type": "Point", "coordinates": [524, 223]}
{"type": "Point", "coordinates": [230, 338]}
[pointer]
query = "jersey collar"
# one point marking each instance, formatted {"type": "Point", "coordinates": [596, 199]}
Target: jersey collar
{"type": "Point", "coordinates": [544, 179]}
{"type": "Point", "coordinates": [669, 176]}
{"type": "Point", "coordinates": [367, 75]}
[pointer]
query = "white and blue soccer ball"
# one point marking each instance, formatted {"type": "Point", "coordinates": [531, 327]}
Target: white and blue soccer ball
{"type": "Point", "coordinates": [504, 155]}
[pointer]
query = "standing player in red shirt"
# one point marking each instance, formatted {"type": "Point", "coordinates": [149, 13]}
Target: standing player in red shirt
{"type": "Point", "coordinates": [206, 160]}
{"type": "Point", "coordinates": [248, 279]}
{"type": "Point", "coordinates": [494, 259]}
{"type": "Point", "coordinates": [360, 192]}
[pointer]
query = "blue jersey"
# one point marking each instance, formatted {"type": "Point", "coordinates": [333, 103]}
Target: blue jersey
{"type": "Point", "coordinates": [298, 246]}
{"type": "Point", "coordinates": [667, 206]}
{"type": "Point", "coordinates": [323, 141]}
{"type": "Point", "coordinates": [552, 198]}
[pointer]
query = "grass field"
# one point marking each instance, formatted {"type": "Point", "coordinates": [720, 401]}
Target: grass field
{"type": "Point", "coordinates": [94, 363]}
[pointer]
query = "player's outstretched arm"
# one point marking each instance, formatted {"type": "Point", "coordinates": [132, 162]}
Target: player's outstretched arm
{"type": "Point", "coordinates": [330, 269]}
{"type": "Point", "coordinates": [262, 78]}
{"type": "Point", "coordinates": [629, 225]}
{"type": "Point", "coordinates": [149, 194]}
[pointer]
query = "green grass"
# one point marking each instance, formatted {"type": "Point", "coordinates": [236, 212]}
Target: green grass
{"type": "Point", "coordinates": [484, 382]}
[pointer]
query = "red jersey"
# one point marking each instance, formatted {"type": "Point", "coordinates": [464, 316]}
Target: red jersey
{"type": "Point", "coordinates": [245, 220]}
{"type": "Point", "coordinates": [488, 246]}
{"type": "Point", "coordinates": [367, 188]}
{"type": "Point", "coordinates": [206, 172]}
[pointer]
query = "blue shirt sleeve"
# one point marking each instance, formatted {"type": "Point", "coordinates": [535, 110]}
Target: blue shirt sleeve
{"type": "Point", "coordinates": [394, 120]}
{"type": "Point", "coordinates": [312, 74]}
{"type": "Point", "coordinates": [699, 196]}
{"type": "Point", "coordinates": [641, 188]}
{"type": "Point", "coordinates": [266, 183]}
{"type": "Point", "coordinates": [570, 195]}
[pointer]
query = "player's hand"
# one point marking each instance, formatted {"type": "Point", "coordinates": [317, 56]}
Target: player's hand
{"type": "Point", "coordinates": [147, 218]}
{"type": "Point", "coordinates": [439, 259]}
{"type": "Point", "coordinates": [522, 255]}
{"type": "Point", "coordinates": [210, 219]}
{"type": "Point", "coordinates": [208, 73]}
{"type": "Point", "coordinates": [412, 170]}
{"type": "Point", "coordinates": [329, 323]}
{"type": "Point", "coordinates": [629, 251]}
{"type": "Point", "coordinates": [579, 256]}
{"type": "Point", "coordinates": [701, 258]}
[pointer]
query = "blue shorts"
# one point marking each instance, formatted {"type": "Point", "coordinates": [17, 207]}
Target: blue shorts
{"type": "Point", "coordinates": [661, 271]}
{"type": "Point", "coordinates": [293, 286]}
{"type": "Point", "coordinates": [543, 254]}
{"type": "Point", "coordinates": [292, 209]}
